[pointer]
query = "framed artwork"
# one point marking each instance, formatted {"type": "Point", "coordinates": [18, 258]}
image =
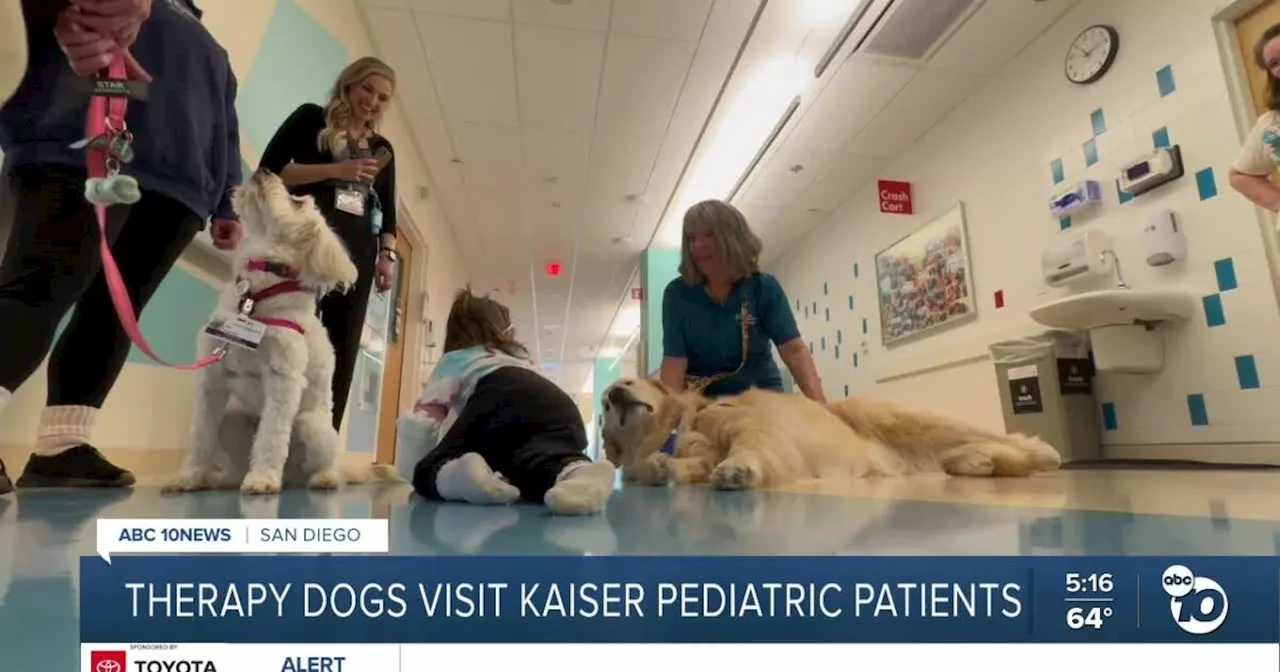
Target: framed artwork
{"type": "Point", "coordinates": [923, 281]}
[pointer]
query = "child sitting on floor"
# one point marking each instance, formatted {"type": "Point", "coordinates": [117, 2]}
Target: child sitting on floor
{"type": "Point", "coordinates": [490, 429]}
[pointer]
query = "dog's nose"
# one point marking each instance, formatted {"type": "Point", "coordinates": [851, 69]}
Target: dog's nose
{"type": "Point", "coordinates": [618, 396]}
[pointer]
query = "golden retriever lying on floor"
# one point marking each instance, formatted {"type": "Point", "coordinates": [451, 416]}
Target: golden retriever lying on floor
{"type": "Point", "coordinates": [765, 439]}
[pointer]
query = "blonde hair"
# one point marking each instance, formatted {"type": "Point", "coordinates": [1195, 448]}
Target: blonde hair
{"type": "Point", "coordinates": [481, 321]}
{"type": "Point", "coordinates": [337, 113]}
{"type": "Point", "coordinates": [739, 246]}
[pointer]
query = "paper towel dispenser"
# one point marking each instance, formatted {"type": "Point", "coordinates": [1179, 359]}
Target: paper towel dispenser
{"type": "Point", "coordinates": [1076, 257]}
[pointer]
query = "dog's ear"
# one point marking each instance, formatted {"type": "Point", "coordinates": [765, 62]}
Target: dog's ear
{"type": "Point", "coordinates": [662, 387]}
{"type": "Point", "coordinates": [325, 259]}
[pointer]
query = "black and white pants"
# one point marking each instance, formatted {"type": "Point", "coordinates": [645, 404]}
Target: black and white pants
{"type": "Point", "coordinates": [523, 425]}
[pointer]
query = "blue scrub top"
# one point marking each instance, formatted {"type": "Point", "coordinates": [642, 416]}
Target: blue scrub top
{"type": "Point", "coordinates": [707, 333]}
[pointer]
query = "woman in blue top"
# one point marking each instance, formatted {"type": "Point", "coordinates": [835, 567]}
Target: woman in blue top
{"type": "Point", "coordinates": [720, 287]}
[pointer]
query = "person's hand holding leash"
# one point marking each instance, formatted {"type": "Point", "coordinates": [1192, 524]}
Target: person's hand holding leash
{"type": "Point", "coordinates": [226, 233]}
{"type": "Point", "coordinates": [93, 32]}
{"type": "Point", "coordinates": [119, 19]}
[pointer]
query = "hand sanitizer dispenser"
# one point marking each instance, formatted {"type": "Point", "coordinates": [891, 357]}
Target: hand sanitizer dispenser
{"type": "Point", "coordinates": [1163, 241]}
{"type": "Point", "coordinates": [1076, 257]}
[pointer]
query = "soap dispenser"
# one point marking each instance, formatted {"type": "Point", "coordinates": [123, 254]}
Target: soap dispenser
{"type": "Point", "coordinates": [1163, 240]}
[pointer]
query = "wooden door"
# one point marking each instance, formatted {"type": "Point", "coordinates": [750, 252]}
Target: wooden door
{"type": "Point", "coordinates": [393, 363]}
{"type": "Point", "coordinates": [1249, 29]}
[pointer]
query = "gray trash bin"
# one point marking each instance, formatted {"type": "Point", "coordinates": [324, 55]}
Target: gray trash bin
{"type": "Point", "coordinates": [1046, 390]}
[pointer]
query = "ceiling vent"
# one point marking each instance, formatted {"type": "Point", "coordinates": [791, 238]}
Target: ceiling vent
{"type": "Point", "coordinates": [912, 29]}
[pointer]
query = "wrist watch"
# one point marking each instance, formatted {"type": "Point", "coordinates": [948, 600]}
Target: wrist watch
{"type": "Point", "coordinates": [389, 254]}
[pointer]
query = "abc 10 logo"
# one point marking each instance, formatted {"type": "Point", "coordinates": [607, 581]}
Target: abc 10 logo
{"type": "Point", "coordinates": [1198, 603]}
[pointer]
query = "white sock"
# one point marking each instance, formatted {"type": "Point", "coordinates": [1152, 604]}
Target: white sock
{"type": "Point", "coordinates": [63, 427]}
{"type": "Point", "coordinates": [469, 479]}
{"type": "Point", "coordinates": [581, 488]}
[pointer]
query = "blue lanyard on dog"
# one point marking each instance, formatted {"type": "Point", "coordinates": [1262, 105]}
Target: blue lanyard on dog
{"type": "Point", "coordinates": [669, 446]}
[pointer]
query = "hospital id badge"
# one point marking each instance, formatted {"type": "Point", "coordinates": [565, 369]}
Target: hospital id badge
{"type": "Point", "coordinates": [237, 330]}
{"type": "Point", "coordinates": [350, 201]}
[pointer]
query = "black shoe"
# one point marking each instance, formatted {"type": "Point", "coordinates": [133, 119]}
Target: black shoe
{"type": "Point", "coordinates": [79, 467]}
{"type": "Point", "coordinates": [6, 485]}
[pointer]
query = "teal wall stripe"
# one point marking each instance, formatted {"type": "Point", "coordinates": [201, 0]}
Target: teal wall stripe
{"type": "Point", "coordinates": [296, 62]}
{"type": "Point", "coordinates": [173, 318]}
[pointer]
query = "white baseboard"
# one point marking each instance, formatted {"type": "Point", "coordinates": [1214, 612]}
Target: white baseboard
{"type": "Point", "coordinates": [1223, 453]}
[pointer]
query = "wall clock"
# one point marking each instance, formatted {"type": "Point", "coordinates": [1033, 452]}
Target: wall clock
{"type": "Point", "coordinates": [1092, 54]}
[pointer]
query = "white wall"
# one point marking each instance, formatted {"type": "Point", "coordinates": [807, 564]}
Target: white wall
{"type": "Point", "coordinates": [994, 154]}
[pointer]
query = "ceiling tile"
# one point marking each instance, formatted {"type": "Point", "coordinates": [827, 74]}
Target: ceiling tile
{"type": "Point", "coordinates": [388, 4]}
{"type": "Point", "coordinates": [473, 9]}
{"type": "Point", "coordinates": [399, 45]}
{"type": "Point", "coordinates": [995, 34]}
{"type": "Point", "coordinates": [671, 19]}
{"type": "Point", "coordinates": [930, 96]}
{"type": "Point", "coordinates": [471, 62]}
{"type": "Point", "coordinates": [860, 90]}
{"type": "Point", "coordinates": [643, 78]}
{"type": "Point", "coordinates": [559, 75]}
{"type": "Point", "coordinates": [590, 15]}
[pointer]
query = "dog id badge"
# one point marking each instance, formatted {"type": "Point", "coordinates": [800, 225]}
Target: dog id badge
{"type": "Point", "coordinates": [237, 330]}
{"type": "Point", "coordinates": [350, 201]}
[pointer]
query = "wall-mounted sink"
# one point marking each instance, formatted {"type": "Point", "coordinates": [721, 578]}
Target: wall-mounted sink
{"type": "Point", "coordinates": [1121, 324]}
{"type": "Point", "coordinates": [1108, 307]}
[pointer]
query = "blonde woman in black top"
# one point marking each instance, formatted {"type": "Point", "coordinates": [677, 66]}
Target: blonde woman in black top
{"type": "Point", "coordinates": [334, 154]}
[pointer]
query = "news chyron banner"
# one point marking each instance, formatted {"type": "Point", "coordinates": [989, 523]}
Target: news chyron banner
{"type": "Point", "coordinates": [326, 596]}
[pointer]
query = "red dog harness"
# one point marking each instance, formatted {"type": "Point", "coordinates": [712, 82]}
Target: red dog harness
{"type": "Point", "coordinates": [288, 285]}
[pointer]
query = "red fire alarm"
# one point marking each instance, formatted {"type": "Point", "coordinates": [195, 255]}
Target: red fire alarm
{"type": "Point", "coordinates": [553, 269]}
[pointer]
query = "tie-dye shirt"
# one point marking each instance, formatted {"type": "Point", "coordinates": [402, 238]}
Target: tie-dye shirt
{"type": "Point", "coordinates": [1260, 153]}
{"type": "Point", "coordinates": [454, 379]}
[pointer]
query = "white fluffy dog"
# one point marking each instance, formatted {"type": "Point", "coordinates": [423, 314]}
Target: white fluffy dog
{"type": "Point", "coordinates": [282, 431]}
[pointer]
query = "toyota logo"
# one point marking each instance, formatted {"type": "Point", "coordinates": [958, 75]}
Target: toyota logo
{"type": "Point", "coordinates": [107, 666]}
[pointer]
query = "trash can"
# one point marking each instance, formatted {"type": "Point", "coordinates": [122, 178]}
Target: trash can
{"type": "Point", "coordinates": [1046, 390]}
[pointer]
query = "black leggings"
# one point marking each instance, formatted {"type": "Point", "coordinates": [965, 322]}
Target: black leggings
{"type": "Point", "coordinates": [51, 263]}
{"type": "Point", "coordinates": [343, 314]}
{"type": "Point", "coordinates": [525, 427]}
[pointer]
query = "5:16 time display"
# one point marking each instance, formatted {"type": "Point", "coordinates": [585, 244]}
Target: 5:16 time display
{"type": "Point", "coordinates": [1090, 583]}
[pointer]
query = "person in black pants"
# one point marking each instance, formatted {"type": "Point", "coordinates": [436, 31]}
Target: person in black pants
{"type": "Point", "coordinates": [507, 432]}
{"type": "Point", "coordinates": [335, 155]}
{"type": "Point", "coordinates": [187, 163]}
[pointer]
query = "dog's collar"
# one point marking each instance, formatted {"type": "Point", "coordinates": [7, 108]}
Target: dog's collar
{"type": "Point", "coordinates": [273, 267]}
{"type": "Point", "coordinates": [290, 284]}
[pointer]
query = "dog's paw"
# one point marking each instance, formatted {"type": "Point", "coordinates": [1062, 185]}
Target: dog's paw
{"type": "Point", "coordinates": [968, 463]}
{"type": "Point", "coordinates": [660, 469]}
{"type": "Point", "coordinates": [261, 483]}
{"type": "Point", "coordinates": [326, 480]}
{"type": "Point", "coordinates": [189, 481]}
{"type": "Point", "coordinates": [733, 474]}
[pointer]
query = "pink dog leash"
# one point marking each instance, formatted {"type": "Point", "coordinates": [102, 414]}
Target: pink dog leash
{"type": "Point", "coordinates": [108, 146]}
